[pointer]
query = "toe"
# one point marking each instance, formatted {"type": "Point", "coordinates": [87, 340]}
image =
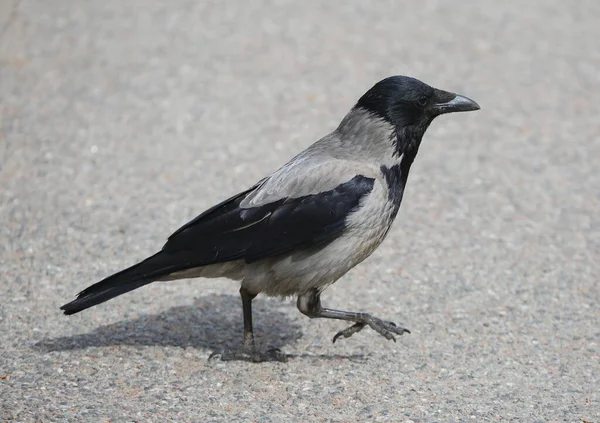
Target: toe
{"type": "Point", "coordinates": [214, 355]}
{"type": "Point", "coordinates": [393, 327]}
{"type": "Point", "coordinates": [275, 354]}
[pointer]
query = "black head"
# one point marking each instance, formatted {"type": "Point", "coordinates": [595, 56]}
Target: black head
{"type": "Point", "coordinates": [408, 102]}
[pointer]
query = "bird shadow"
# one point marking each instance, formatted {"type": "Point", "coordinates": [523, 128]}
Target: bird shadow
{"type": "Point", "coordinates": [213, 322]}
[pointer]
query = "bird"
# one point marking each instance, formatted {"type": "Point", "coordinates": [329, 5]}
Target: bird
{"type": "Point", "coordinates": [300, 229]}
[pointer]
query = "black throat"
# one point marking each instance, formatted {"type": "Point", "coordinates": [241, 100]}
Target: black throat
{"type": "Point", "coordinates": [406, 145]}
{"type": "Point", "coordinates": [408, 139]}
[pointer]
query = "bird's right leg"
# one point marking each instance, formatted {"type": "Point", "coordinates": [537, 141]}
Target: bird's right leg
{"type": "Point", "coordinates": [310, 305]}
{"type": "Point", "coordinates": [249, 350]}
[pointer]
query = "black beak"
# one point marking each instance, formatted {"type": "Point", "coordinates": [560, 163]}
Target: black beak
{"type": "Point", "coordinates": [449, 103]}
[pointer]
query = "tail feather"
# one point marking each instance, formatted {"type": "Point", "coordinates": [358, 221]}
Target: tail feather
{"type": "Point", "coordinates": [143, 273]}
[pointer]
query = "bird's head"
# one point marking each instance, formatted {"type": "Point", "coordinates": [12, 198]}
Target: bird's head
{"type": "Point", "coordinates": [411, 105]}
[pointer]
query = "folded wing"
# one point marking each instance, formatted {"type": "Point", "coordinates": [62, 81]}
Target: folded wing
{"type": "Point", "coordinates": [238, 229]}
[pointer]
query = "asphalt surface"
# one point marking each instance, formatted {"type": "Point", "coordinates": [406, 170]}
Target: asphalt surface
{"type": "Point", "coordinates": [120, 121]}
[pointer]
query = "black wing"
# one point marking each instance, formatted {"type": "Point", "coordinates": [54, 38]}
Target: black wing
{"type": "Point", "coordinates": [229, 232]}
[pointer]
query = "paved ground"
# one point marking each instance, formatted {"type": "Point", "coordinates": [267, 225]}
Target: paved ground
{"type": "Point", "coordinates": [122, 120]}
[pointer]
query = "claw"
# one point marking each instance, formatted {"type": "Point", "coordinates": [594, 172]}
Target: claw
{"type": "Point", "coordinates": [214, 355]}
{"type": "Point", "coordinates": [337, 335]}
{"type": "Point", "coordinates": [348, 332]}
{"type": "Point", "coordinates": [385, 329]}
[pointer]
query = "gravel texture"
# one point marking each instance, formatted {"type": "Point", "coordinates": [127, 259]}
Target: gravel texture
{"type": "Point", "coordinates": [121, 120]}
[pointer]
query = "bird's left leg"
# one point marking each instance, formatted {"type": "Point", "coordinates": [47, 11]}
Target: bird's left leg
{"type": "Point", "coordinates": [249, 350]}
{"type": "Point", "coordinates": [310, 305]}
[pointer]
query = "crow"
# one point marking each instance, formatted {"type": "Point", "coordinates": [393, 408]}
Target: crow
{"type": "Point", "coordinates": [300, 229]}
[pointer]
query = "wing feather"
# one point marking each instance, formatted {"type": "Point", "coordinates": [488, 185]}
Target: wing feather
{"type": "Point", "coordinates": [232, 231]}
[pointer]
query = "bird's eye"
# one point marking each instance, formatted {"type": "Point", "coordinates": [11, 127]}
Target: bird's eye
{"type": "Point", "coordinates": [422, 102]}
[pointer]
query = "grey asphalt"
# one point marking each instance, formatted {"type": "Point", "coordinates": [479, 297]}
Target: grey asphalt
{"type": "Point", "coordinates": [120, 121]}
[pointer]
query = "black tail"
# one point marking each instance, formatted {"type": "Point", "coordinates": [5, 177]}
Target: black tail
{"type": "Point", "coordinates": [136, 276]}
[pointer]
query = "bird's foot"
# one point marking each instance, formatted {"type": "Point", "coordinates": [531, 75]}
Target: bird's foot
{"type": "Point", "coordinates": [250, 353]}
{"type": "Point", "coordinates": [386, 329]}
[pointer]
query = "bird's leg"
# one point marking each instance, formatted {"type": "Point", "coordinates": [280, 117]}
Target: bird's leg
{"type": "Point", "coordinates": [310, 305]}
{"type": "Point", "coordinates": [247, 298]}
{"type": "Point", "coordinates": [249, 350]}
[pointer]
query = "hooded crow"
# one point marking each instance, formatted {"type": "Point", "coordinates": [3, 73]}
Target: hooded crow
{"type": "Point", "coordinates": [301, 228]}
